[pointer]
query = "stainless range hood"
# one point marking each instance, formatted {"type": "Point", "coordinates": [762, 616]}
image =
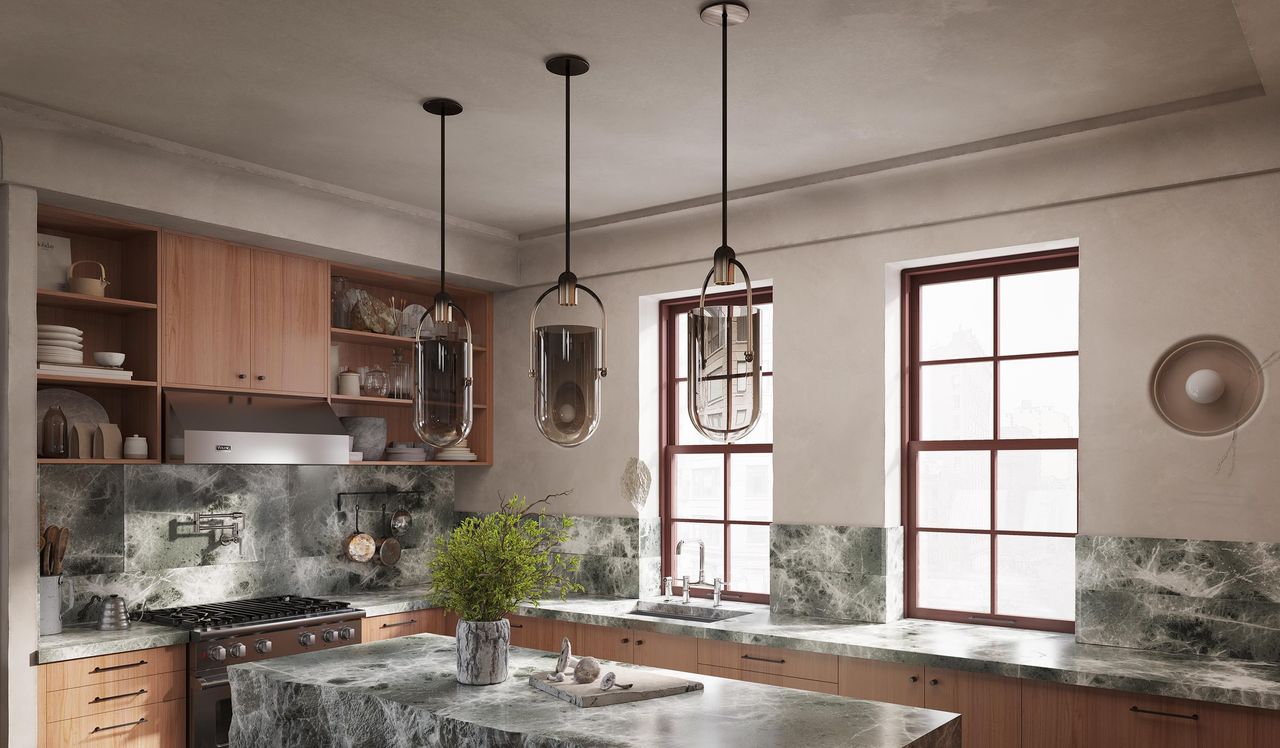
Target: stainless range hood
{"type": "Point", "coordinates": [253, 430]}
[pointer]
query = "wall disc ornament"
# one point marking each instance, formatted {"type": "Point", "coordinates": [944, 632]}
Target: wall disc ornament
{"type": "Point", "coordinates": [1207, 385]}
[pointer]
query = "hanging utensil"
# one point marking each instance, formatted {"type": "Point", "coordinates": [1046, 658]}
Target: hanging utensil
{"type": "Point", "coordinates": [359, 546]}
{"type": "Point", "coordinates": [46, 557]}
{"type": "Point", "coordinates": [400, 521]}
{"type": "Point", "coordinates": [388, 551]}
{"type": "Point", "coordinates": [60, 550]}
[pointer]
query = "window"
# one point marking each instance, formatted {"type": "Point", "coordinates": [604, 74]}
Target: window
{"type": "Point", "coordinates": [992, 427]}
{"type": "Point", "coordinates": [717, 493]}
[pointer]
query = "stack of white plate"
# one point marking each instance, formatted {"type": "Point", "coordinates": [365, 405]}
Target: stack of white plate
{"type": "Point", "coordinates": [59, 344]}
{"type": "Point", "coordinates": [406, 454]}
{"type": "Point", "coordinates": [458, 452]}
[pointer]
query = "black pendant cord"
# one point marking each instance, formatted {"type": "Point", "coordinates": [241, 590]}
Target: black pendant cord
{"type": "Point", "coordinates": [567, 78]}
{"type": "Point", "coordinates": [442, 219]}
{"type": "Point", "coordinates": [724, 125]}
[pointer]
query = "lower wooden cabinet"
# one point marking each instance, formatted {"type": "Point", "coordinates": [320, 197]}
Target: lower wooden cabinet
{"type": "Point", "coordinates": [134, 699]}
{"type": "Point", "coordinates": [665, 651]}
{"type": "Point", "coordinates": [378, 628]}
{"type": "Point", "coordinates": [541, 633]}
{"type": "Point", "coordinates": [605, 643]}
{"type": "Point", "coordinates": [890, 682]}
{"type": "Point", "coordinates": [990, 706]}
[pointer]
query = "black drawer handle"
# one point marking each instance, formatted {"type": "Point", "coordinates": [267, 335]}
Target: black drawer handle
{"type": "Point", "coordinates": [100, 699]}
{"type": "Point", "coordinates": [933, 681]}
{"type": "Point", "coordinates": [138, 721]}
{"type": "Point", "coordinates": [1163, 714]}
{"type": "Point", "coordinates": [639, 642]}
{"type": "Point", "coordinates": [401, 623]}
{"type": "Point", "coordinates": [762, 659]}
{"type": "Point", "coordinates": [139, 663]}
{"type": "Point", "coordinates": [626, 641]}
{"type": "Point", "coordinates": [914, 679]}
{"type": "Point", "coordinates": [517, 625]}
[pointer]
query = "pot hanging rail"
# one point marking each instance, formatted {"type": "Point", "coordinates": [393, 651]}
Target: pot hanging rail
{"type": "Point", "coordinates": [442, 347]}
{"type": "Point", "coordinates": [724, 370]}
{"type": "Point", "coordinates": [567, 361]}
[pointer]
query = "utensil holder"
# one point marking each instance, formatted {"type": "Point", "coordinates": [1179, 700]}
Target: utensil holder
{"type": "Point", "coordinates": [50, 594]}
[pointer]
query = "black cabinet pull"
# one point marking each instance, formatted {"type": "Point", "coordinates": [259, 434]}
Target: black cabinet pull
{"type": "Point", "coordinates": [517, 625]}
{"type": "Point", "coordinates": [400, 623]}
{"type": "Point", "coordinates": [138, 721]}
{"type": "Point", "coordinates": [139, 663]}
{"type": "Point", "coordinates": [933, 681]}
{"type": "Point", "coordinates": [1139, 710]}
{"type": "Point", "coordinates": [242, 375]}
{"type": "Point", "coordinates": [639, 642]}
{"type": "Point", "coordinates": [914, 679]}
{"type": "Point", "coordinates": [100, 699]}
{"type": "Point", "coordinates": [763, 659]}
{"type": "Point", "coordinates": [262, 378]}
{"type": "Point", "coordinates": [626, 641]}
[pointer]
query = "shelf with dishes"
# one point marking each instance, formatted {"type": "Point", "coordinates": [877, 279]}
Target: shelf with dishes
{"type": "Point", "coordinates": [360, 337]}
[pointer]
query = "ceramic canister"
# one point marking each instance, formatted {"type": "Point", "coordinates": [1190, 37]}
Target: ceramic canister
{"type": "Point", "coordinates": [135, 447]}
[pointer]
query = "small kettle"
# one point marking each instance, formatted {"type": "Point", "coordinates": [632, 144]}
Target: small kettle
{"type": "Point", "coordinates": [115, 614]}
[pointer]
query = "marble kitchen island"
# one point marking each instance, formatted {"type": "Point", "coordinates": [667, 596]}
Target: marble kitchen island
{"type": "Point", "coordinates": [402, 692]}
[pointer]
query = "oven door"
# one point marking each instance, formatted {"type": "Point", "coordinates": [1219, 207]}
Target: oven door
{"type": "Point", "coordinates": [209, 710]}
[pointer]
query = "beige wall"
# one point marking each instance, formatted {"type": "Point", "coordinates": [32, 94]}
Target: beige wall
{"type": "Point", "coordinates": [1175, 241]}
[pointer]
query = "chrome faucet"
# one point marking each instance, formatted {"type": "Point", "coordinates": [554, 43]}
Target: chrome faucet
{"type": "Point", "coordinates": [684, 589]}
{"type": "Point", "coordinates": [702, 559]}
{"type": "Point", "coordinates": [717, 586]}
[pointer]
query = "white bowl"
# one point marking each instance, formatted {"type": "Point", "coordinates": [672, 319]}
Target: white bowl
{"type": "Point", "coordinates": [108, 358]}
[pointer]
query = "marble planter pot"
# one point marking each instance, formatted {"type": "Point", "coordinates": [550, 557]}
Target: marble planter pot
{"type": "Point", "coordinates": [482, 651]}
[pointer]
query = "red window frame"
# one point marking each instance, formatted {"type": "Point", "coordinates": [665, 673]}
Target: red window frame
{"type": "Point", "coordinates": [669, 431]}
{"type": "Point", "coordinates": [912, 280]}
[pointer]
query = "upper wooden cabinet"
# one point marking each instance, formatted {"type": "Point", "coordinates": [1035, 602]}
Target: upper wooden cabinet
{"type": "Point", "coordinates": [242, 319]}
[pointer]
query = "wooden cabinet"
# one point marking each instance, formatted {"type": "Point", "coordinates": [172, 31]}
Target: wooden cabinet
{"type": "Point", "coordinates": [605, 643]}
{"type": "Point", "coordinates": [541, 633]}
{"type": "Point", "coordinates": [809, 671]}
{"type": "Point", "coordinates": [378, 628]}
{"type": "Point", "coordinates": [666, 651]}
{"type": "Point", "coordinates": [243, 319]}
{"type": "Point", "coordinates": [127, 699]}
{"type": "Point", "coordinates": [890, 682]}
{"type": "Point", "coordinates": [991, 705]}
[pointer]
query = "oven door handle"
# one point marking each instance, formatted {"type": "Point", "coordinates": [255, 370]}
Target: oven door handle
{"type": "Point", "coordinates": [211, 682]}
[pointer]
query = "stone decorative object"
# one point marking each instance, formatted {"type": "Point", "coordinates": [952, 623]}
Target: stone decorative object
{"type": "Point", "coordinates": [482, 651]}
{"type": "Point", "coordinates": [587, 670]}
{"type": "Point", "coordinates": [371, 314]}
{"type": "Point", "coordinates": [370, 434]}
{"type": "Point", "coordinates": [610, 680]}
{"type": "Point", "coordinates": [566, 656]}
{"type": "Point", "coordinates": [636, 482]}
{"type": "Point", "coordinates": [641, 685]}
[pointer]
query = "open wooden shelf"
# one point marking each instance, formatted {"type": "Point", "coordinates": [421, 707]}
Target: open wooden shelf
{"type": "Point", "coordinates": [67, 379]}
{"type": "Point", "coordinates": [90, 461]}
{"type": "Point", "coordinates": [104, 304]}
{"type": "Point", "coordinates": [428, 463]}
{"type": "Point", "coordinates": [363, 400]}
{"type": "Point", "coordinates": [359, 337]}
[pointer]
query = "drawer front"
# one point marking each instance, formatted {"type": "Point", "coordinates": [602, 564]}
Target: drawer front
{"type": "Point", "coordinates": [803, 684]}
{"type": "Point", "coordinates": [720, 672]}
{"type": "Point", "coordinates": [666, 651]}
{"type": "Point", "coordinates": [890, 682]}
{"type": "Point", "coordinates": [720, 654]}
{"type": "Point", "coordinates": [541, 633]}
{"type": "Point", "coordinates": [92, 671]}
{"type": "Point", "coordinates": [605, 643]}
{"type": "Point", "coordinates": [395, 625]}
{"type": "Point", "coordinates": [793, 664]}
{"type": "Point", "coordinates": [108, 697]}
{"type": "Point", "coordinates": [162, 725]}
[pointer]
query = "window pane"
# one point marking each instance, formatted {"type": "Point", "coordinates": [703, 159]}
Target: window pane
{"type": "Point", "coordinates": [748, 558]}
{"type": "Point", "coordinates": [687, 562]}
{"type": "Point", "coordinates": [682, 346]}
{"type": "Point", "coordinates": [953, 571]}
{"type": "Point", "coordinates": [751, 487]}
{"type": "Point", "coordinates": [686, 434]}
{"type": "Point", "coordinates": [953, 489]}
{"type": "Point", "coordinates": [766, 337]}
{"type": "Point", "coordinates": [1040, 398]}
{"type": "Point", "coordinates": [698, 486]}
{"type": "Point", "coordinates": [1036, 490]}
{"type": "Point", "coordinates": [956, 320]}
{"type": "Point", "coordinates": [1036, 577]}
{"type": "Point", "coordinates": [955, 401]}
{"type": "Point", "coordinates": [763, 432]}
{"type": "Point", "coordinates": [1039, 312]}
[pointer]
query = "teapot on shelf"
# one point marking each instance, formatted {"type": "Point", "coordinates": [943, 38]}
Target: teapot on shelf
{"type": "Point", "coordinates": [88, 286]}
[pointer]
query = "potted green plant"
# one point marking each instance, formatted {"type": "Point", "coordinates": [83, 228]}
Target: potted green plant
{"type": "Point", "coordinates": [486, 567]}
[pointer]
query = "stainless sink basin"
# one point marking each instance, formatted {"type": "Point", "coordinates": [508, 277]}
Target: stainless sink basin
{"type": "Point", "coordinates": [685, 612]}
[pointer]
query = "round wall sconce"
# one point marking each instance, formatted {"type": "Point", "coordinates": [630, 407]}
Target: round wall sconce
{"type": "Point", "coordinates": [1207, 386]}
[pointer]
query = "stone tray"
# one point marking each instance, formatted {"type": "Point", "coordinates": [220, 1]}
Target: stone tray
{"type": "Point", "coordinates": [648, 685]}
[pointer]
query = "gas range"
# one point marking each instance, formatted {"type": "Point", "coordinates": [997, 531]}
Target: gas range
{"type": "Point", "coordinates": [225, 634]}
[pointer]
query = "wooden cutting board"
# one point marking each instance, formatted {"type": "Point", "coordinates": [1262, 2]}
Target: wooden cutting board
{"type": "Point", "coordinates": [648, 685]}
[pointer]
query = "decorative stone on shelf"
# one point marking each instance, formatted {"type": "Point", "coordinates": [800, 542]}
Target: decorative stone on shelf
{"type": "Point", "coordinates": [371, 314]}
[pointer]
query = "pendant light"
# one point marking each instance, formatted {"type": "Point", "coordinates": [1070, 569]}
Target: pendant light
{"type": "Point", "coordinates": [442, 391]}
{"type": "Point", "coordinates": [567, 361]}
{"type": "Point", "coordinates": [724, 370]}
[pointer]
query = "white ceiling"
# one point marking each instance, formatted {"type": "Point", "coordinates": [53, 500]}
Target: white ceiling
{"type": "Point", "coordinates": [330, 89]}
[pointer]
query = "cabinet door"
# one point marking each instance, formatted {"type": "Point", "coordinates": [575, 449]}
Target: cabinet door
{"type": "Point", "coordinates": [206, 306]}
{"type": "Point", "coordinates": [666, 651]}
{"type": "Point", "coordinates": [290, 324]}
{"type": "Point", "coordinates": [1238, 726]}
{"type": "Point", "coordinates": [890, 682]}
{"type": "Point", "coordinates": [803, 684]}
{"type": "Point", "coordinates": [396, 625]}
{"type": "Point", "coordinates": [546, 634]}
{"type": "Point", "coordinates": [990, 705]}
{"type": "Point", "coordinates": [604, 643]}
{"type": "Point", "coordinates": [1123, 720]}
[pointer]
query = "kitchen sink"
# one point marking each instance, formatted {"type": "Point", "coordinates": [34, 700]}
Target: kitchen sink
{"type": "Point", "coordinates": [703, 613]}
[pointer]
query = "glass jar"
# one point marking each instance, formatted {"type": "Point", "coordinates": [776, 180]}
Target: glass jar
{"type": "Point", "coordinates": [399, 376]}
{"type": "Point", "coordinates": [374, 383]}
{"type": "Point", "coordinates": [53, 433]}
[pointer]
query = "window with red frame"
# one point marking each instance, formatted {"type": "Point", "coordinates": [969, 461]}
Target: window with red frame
{"type": "Point", "coordinates": [721, 494]}
{"type": "Point", "coordinates": [992, 424]}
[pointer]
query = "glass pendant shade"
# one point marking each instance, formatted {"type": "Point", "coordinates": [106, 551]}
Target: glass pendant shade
{"type": "Point", "coordinates": [567, 366]}
{"type": "Point", "coordinates": [724, 371]}
{"type": "Point", "coordinates": [442, 387]}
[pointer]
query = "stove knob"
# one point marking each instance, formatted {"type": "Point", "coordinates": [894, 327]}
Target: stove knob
{"type": "Point", "coordinates": [347, 633]}
{"type": "Point", "coordinates": [236, 650]}
{"type": "Point", "coordinates": [307, 639]}
{"type": "Point", "coordinates": [330, 636]}
{"type": "Point", "coordinates": [217, 652]}
{"type": "Point", "coordinates": [263, 646]}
